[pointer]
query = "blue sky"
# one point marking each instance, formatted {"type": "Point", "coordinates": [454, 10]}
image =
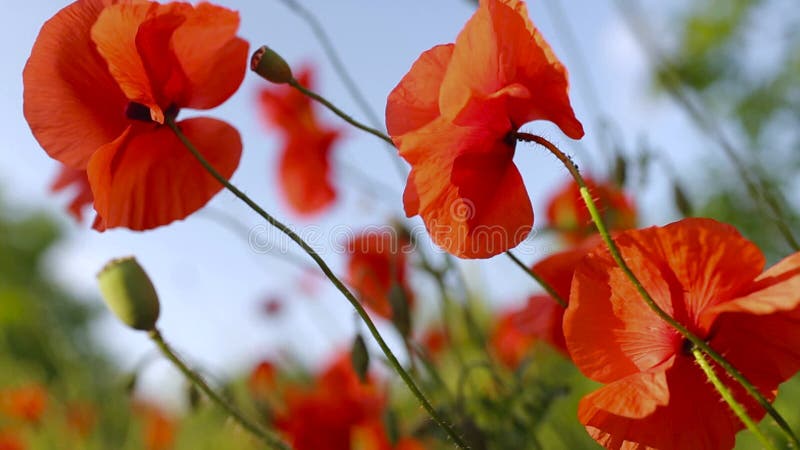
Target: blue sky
{"type": "Point", "coordinates": [212, 281]}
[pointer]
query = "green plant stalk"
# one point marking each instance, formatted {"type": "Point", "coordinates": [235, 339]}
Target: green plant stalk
{"type": "Point", "coordinates": [617, 256]}
{"type": "Point", "coordinates": [409, 381]}
{"type": "Point", "coordinates": [726, 394]}
{"type": "Point", "coordinates": [544, 284]}
{"type": "Point", "coordinates": [313, 95]}
{"type": "Point", "coordinates": [265, 436]}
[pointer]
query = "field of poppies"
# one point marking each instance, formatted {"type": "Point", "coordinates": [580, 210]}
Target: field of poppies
{"type": "Point", "coordinates": [633, 333]}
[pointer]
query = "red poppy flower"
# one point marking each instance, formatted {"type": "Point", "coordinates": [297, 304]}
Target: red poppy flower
{"type": "Point", "coordinates": [329, 415]}
{"type": "Point", "coordinates": [435, 341]}
{"type": "Point", "coordinates": [81, 418]}
{"type": "Point", "coordinates": [26, 403]}
{"type": "Point", "coordinates": [99, 83]}
{"type": "Point", "coordinates": [708, 277]}
{"type": "Point", "coordinates": [568, 214]}
{"type": "Point", "coordinates": [376, 263]}
{"type": "Point", "coordinates": [453, 118]}
{"type": "Point", "coordinates": [158, 428]}
{"type": "Point", "coordinates": [540, 319]}
{"type": "Point", "coordinates": [305, 169]}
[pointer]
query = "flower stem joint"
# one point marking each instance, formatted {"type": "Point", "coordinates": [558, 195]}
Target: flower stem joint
{"type": "Point", "coordinates": [129, 293]}
{"type": "Point", "coordinates": [271, 66]}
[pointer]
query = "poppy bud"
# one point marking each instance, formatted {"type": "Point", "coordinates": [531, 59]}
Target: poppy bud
{"type": "Point", "coordinates": [401, 316]}
{"type": "Point", "coordinates": [270, 66]}
{"type": "Point", "coordinates": [682, 202]}
{"type": "Point", "coordinates": [129, 293]}
{"type": "Point", "coordinates": [359, 357]}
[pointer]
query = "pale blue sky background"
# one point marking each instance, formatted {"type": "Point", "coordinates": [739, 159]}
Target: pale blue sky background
{"type": "Point", "coordinates": [212, 282]}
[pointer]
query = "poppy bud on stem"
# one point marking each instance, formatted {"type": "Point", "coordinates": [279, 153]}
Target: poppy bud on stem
{"type": "Point", "coordinates": [129, 293]}
{"type": "Point", "coordinates": [271, 66]}
{"type": "Point", "coordinates": [698, 343]}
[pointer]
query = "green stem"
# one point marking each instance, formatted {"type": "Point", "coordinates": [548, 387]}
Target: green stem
{"type": "Point", "coordinates": [379, 134]}
{"type": "Point", "coordinates": [409, 381]}
{"type": "Point", "coordinates": [617, 256]}
{"type": "Point", "coordinates": [265, 436]}
{"type": "Point", "coordinates": [544, 284]}
{"type": "Point", "coordinates": [726, 395]}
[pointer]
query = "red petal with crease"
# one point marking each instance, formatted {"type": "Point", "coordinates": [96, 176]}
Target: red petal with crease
{"type": "Point", "coordinates": [71, 102]}
{"type": "Point", "coordinates": [147, 178]}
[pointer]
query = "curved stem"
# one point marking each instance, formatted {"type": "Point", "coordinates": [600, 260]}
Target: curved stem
{"type": "Point", "coordinates": [544, 284]}
{"type": "Point", "coordinates": [409, 381]}
{"type": "Point", "coordinates": [253, 428]}
{"type": "Point", "coordinates": [726, 395]}
{"type": "Point", "coordinates": [617, 256]}
{"type": "Point", "coordinates": [377, 133]}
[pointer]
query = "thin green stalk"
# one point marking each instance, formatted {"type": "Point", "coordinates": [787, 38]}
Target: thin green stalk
{"type": "Point", "coordinates": [412, 385]}
{"type": "Point", "coordinates": [726, 395]}
{"type": "Point", "coordinates": [379, 134]}
{"type": "Point", "coordinates": [617, 256]}
{"type": "Point", "coordinates": [253, 428]}
{"type": "Point", "coordinates": [544, 284]}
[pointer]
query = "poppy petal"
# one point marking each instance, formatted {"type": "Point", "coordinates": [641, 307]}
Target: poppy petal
{"type": "Point", "coordinates": [604, 306]}
{"type": "Point", "coordinates": [114, 34]}
{"type": "Point", "coordinates": [304, 172]}
{"type": "Point", "coordinates": [79, 182]}
{"type": "Point", "coordinates": [147, 178]}
{"type": "Point", "coordinates": [760, 333]}
{"type": "Point", "coordinates": [636, 412]}
{"type": "Point", "coordinates": [213, 58]}
{"type": "Point", "coordinates": [71, 102]}
{"type": "Point", "coordinates": [414, 103]}
{"type": "Point", "coordinates": [500, 48]}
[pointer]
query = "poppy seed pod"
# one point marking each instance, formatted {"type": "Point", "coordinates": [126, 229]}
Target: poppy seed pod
{"type": "Point", "coordinates": [129, 293]}
{"type": "Point", "coordinates": [271, 66]}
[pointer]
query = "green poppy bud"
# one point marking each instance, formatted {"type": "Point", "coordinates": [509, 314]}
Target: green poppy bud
{"type": "Point", "coordinates": [359, 357]}
{"type": "Point", "coordinates": [129, 293]}
{"type": "Point", "coordinates": [271, 66]}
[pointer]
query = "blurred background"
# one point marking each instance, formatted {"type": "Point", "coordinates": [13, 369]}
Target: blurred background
{"type": "Point", "coordinates": [666, 91]}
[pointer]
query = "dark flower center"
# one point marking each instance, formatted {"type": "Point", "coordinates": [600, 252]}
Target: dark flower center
{"type": "Point", "coordinates": [140, 112]}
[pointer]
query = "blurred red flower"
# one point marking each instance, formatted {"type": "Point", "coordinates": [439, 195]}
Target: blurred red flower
{"type": "Point", "coordinates": [568, 214]}
{"type": "Point", "coordinates": [708, 277]}
{"type": "Point", "coordinates": [328, 415]}
{"type": "Point", "coordinates": [435, 341]}
{"type": "Point", "coordinates": [78, 182]}
{"type": "Point", "coordinates": [377, 262]}
{"type": "Point", "coordinates": [158, 428]}
{"type": "Point", "coordinates": [304, 170]}
{"type": "Point", "coordinates": [263, 380]}
{"type": "Point", "coordinates": [26, 403]}
{"type": "Point", "coordinates": [81, 418]}
{"type": "Point", "coordinates": [453, 117]}
{"type": "Point", "coordinates": [10, 441]}
{"type": "Point", "coordinates": [540, 319]}
{"type": "Point", "coordinates": [99, 84]}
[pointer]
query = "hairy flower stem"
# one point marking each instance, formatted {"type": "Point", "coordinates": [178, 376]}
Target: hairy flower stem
{"type": "Point", "coordinates": [726, 394]}
{"type": "Point", "coordinates": [409, 381]}
{"type": "Point", "coordinates": [546, 286]}
{"type": "Point", "coordinates": [732, 371]}
{"type": "Point", "coordinates": [270, 439]}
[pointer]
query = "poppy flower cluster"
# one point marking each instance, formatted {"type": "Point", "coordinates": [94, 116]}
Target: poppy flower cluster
{"type": "Point", "coordinates": [103, 81]}
{"type": "Point", "coordinates": [454, 116]}
{"type": "Point", "coordinates": [304, 170]}
{"type": "Point", "coordinates": [568, 216]}
{"type": "Point", "coordinates": [336, 412]}
{"type": "Point", "coordinates": [377, 264]}
{"type": "Point", "coordinates": [707, 277]}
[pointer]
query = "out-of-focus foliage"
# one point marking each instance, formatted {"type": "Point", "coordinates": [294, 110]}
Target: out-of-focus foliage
{"type": "Point", "coordinates": [741, 59]}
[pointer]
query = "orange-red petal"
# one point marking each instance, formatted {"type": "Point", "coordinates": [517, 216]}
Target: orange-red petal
{"type": "Point", "coordinates": [305, 172]}
{"type": "Point", "coordinates": [71, 102]}
{"type": "Point", "coordinates": [213, 59]}
{"type": "Point", "coordinates": [500, 55]}
{"type": "Point", "coordinates": [147, 177]}
{"type": "Point", "coordinates": [78, 181]}
{"type": "Point", "coordinates": [376, 262]}
{"type": "Point", "coordinates": [671, 407]}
